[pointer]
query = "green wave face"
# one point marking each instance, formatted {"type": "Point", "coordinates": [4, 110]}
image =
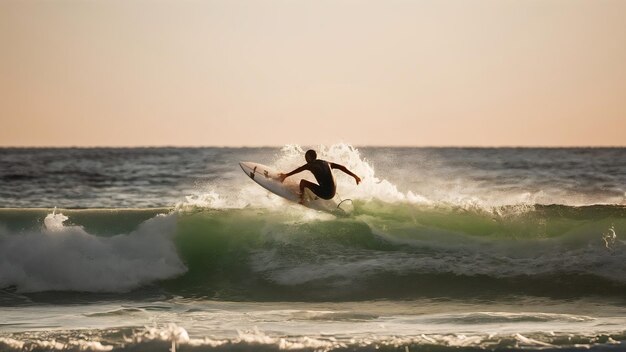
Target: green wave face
{"type": "Point", "coordinates": [401, 251]}
{"type": "Point", "coordinates": [380, 251]}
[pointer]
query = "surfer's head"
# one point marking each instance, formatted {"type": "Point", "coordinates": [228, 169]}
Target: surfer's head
{"type": "Point", "coordinates": [310, 155]}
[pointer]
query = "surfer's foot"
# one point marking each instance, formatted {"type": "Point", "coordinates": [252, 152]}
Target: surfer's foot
{"type": "Point", "coordinates": [301, 201]}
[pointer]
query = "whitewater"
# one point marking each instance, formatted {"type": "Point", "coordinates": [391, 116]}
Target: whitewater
{"type": "Point", "coordinates": [445, 249]}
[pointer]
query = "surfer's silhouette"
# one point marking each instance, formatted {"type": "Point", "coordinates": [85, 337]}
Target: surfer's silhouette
{"type": "Point", "coordinates": [321, 169]}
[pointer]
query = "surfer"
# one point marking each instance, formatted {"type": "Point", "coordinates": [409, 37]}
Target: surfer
{"type": "Point", "coordinates": [321, 169]}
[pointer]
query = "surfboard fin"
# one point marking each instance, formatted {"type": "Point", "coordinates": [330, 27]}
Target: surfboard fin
{"type": "Point", "coordinates": [347, 199]}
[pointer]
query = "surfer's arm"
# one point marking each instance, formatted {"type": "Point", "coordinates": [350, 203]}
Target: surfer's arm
{"type": "Point", "coordinates": [282, 177]}
{"type": "Point", "coordinates": [345, 169]}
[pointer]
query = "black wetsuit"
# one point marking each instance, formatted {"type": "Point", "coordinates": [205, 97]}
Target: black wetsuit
{"type": "Point", "coordinates": [321, 169]}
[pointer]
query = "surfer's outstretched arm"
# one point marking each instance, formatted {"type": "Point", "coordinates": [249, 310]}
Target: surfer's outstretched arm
{"type": "Point", "coordinates": [282, 177]}
{"type": "Point", "coordinates": [345, 169]}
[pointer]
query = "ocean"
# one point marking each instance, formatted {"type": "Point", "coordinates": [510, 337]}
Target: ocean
{"type": "Point", "coordinates": [445, 249]}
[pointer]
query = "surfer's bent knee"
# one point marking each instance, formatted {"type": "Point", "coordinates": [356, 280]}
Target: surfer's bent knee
{"type": "Point", "coordinates": [319, 191]}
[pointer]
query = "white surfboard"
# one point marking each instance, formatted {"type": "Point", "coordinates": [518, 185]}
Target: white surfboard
{"type": "Point", "coordinates": [267, 178]}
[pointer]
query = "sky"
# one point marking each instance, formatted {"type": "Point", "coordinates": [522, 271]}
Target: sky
{"type": "Point", "coordinates": [269, 73]}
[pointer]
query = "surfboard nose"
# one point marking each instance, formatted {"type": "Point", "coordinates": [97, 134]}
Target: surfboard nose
{"type": "Point", "coordinates": [248, 167]}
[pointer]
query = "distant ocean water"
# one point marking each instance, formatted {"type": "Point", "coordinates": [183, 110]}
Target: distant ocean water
{"type": "Point", "coordinates": [446, 249]}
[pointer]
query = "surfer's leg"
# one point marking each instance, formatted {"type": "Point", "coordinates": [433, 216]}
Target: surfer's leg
{"type": "Point", "coordinates": [315, 188]}
{"type": "Point", "coordinates": [319, 191]}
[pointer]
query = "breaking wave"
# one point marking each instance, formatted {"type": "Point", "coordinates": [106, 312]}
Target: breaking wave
{"type": "Point", "coordinates": [382, 250]}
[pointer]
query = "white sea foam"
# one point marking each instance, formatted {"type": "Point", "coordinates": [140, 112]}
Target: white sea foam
{"type": "Point", "coordinates": [371, 186]}
{"type": "Point", "coordinates": [53, 345]}
{"type": "Point", "coordinates": [59, 257]}
{"type": "Point", "coordinates": [427, 184]}
{"type": "Point", "coordinates": [161, 337]}
{"type": "Point", "coordinates": [54, 222]}
{"type": "Point", "coordinates": [291, 157]}
{"type": "Point", "coordinates": [254, 337]}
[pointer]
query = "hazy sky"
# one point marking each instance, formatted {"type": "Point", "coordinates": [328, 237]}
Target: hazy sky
{"type": "Point", "coordinates": [440, 72]}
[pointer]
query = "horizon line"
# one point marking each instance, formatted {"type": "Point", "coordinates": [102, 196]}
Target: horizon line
{"type": "Point", "coordinates": [283, 145]}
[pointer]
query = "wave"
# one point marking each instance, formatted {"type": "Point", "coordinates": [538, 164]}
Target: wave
{"type": "Point", "coordinates": [402, 251]}
{"type": "Point", "coordinates": [382, 250]}
{"type": "Point", "coordinates": [172, 337]}
{"type": "Point", "coordinates": [68, 258]}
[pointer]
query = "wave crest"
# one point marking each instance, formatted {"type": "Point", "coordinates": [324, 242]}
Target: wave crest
{"type": "Point", "coordinates": [68, 258]}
